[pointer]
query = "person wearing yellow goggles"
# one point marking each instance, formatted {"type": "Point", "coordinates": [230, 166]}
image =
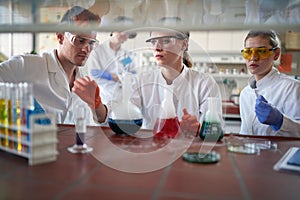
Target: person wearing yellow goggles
{"type": "Point", "coordinates": [270, 104]}
{"type": "Point", "coordinates": [260, 53]}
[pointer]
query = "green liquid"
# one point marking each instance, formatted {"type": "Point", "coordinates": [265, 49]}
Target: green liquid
{"type": "Point", "coordinates": [211, 131]}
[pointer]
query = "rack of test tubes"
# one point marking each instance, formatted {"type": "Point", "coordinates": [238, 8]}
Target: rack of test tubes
{"type": "Point", "coordinates": [23, 132]}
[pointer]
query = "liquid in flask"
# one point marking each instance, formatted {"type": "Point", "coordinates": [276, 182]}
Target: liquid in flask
{"type": "Point", "coordinates": [167, 123]}
{"type": "Point", "coordinates": [125, 118]}
{"type": "Point", "coordinates": [211, 129]}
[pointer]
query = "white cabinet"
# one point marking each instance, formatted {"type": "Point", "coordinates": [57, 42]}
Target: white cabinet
{"type": "Point", "coordinates": [218, 41]}
{"type": "Point", "coordinates": [237, 40]}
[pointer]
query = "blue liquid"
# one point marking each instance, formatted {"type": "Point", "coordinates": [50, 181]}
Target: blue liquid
{"type": "Point", "coordinates": [80, 138]}
{"type": "Point", "coordinates": [125, 127]}
{"type": "Point", "coordinates": [211, 131]}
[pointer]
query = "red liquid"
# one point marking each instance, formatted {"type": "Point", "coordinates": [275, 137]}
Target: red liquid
{"type": "Point", "coordinates": [166, 128]}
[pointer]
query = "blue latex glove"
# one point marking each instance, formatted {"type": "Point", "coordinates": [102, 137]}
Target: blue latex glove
{"type": "Point", "coordinates": [98, 73]}
{"type": "Point", "coordinates": [267, 114]}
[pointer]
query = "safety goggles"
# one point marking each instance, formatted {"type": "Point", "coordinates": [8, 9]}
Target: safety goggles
{"type": "Point", "coordinates": [165, 40]}
{"type": "Point", "coordinates": [260, 52]}
{"type": "Point", "coordinates": [81, 42]}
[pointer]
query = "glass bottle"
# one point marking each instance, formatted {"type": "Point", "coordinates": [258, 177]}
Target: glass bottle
{"type": "Point", "coordinates": [167, 123]}
{"type": "Point", "coordinates": [211, 129]}
{"type": "Point", "coordinates": [125, 118]}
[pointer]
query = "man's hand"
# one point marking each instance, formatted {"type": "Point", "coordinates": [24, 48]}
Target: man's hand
{"type": "Point", "coordinates": [88, 91]}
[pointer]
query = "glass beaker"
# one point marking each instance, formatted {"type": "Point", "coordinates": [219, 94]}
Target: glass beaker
{"type": "Point", "coordinates": [125, 118]}
{"type": "Point", "coordinates": [211, 129]}
{"type": "Point", "coordinates": [167, 123]}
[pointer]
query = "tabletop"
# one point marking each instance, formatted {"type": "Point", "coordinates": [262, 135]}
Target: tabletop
{"type": "Point", "coordinates": [144, 167]}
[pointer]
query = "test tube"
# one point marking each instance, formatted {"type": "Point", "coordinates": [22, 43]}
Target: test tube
{"type": "Point", "coordinates": [9, 132]}
{"type": "Point", "coordinates": [80, 125]}
{"type": "Point", "coordinates": [3, 115]}
{"type": "Point", "coordinates": [80, 128]}
{"type": "Point", "coordinates": [16, 103]}
{"type": "Point", "coordinates": [27, 103]}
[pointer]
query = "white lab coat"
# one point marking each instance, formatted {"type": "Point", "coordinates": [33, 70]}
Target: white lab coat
{"type": "Point", "coordinates": [105, 58]}
{"type": "Point", "coordinates": [50, 84]}
{"type": "Point", "coordinates": [191, 90]}
{"type": "Point", "coordinates": [282, 92]}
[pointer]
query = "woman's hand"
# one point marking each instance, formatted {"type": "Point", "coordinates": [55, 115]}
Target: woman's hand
{"type": "Point", "coordinates": [189, 123]}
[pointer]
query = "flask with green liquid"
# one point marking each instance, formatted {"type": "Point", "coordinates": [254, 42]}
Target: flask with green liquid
{"type": "Point", "coordinates": [211, 129]}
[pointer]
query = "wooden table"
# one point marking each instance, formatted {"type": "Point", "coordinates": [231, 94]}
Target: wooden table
{"type": "Point", "coordinates": [89, 176]}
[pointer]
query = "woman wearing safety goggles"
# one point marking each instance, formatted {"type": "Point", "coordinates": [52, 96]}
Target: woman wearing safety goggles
{"type": "Point", "coordinates": [270, 104]}
{"type": "Point", "coordinates": [190, 88]}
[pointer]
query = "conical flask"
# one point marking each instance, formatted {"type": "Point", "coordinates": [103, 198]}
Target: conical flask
{"type": "Point", "coordinates": [125, 117]}
{"type": "Point", "coordinates": [167, 124]}
{"type": "Point", "coordinates": [211, 129]}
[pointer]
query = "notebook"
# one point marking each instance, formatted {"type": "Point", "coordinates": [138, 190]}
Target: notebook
{"type": "Point", "coordinates": [290, 161]}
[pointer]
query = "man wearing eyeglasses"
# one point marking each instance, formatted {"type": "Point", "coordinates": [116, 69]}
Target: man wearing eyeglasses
{"type": "Point", "coordinates": [57, 81]}
{"type": "Point", "coordinates": [270, 104]}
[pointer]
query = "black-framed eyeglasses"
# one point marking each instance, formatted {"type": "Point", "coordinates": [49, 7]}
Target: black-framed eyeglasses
{"type": "Point", "coordinates": [81, 42]}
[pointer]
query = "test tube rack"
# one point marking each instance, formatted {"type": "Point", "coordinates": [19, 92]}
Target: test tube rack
{"type": "Point", "coordinates": [38, 143]}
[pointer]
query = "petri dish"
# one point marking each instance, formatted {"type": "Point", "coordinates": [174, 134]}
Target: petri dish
{"type": "Point", "coordinates": [243, 149]}
{"type": "Point", "coordinates": [260, 144]}
{"type": "Point", "coordinates": [203, 158]}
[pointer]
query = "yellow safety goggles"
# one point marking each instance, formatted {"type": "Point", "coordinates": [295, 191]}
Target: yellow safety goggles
{"type": "Point", "coordinates": [260, 53]}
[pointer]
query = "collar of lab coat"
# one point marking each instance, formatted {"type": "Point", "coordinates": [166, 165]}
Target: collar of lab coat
{"type": "Point", "coordinates": [178, 79]}
{"type": "Point", "coordinates": [264, 79]}
{"type": "Point", "coordinates": [54, 69]}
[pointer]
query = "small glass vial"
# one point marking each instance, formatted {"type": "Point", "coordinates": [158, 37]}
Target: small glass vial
{"type": "Point", "coordinates": [80, 127]}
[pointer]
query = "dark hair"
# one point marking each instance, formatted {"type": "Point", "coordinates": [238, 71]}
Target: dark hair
{"type": "Point", "coordinates": [270, 34]}
{"type": "Point", "coordinates": [81, 13]}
